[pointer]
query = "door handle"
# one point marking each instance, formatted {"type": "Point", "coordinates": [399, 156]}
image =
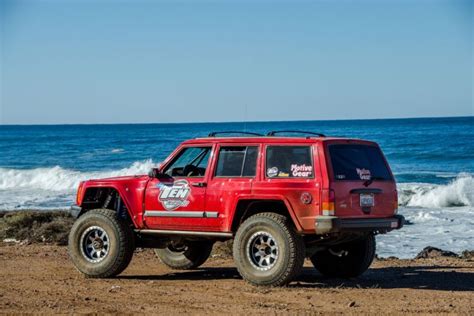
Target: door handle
{"type": "Point", "coordinates": [199, 184]}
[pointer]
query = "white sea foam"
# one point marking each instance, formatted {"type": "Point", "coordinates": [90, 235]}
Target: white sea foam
{"type": "Point", "coordinates": [52, 188]}
{"type": "Point", "coordinates": [60, 179]}
{"type": "Point", "coordinates": [446, 228]}
{"type": "Point", "coordinates": [459, 192]}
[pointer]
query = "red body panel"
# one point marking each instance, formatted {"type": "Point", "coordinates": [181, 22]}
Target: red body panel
{"type": "Point", "coordinates": [217, 197]}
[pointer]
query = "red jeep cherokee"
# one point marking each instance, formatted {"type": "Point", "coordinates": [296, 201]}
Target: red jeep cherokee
{"type": "Point", "coordinates": [280, 198]}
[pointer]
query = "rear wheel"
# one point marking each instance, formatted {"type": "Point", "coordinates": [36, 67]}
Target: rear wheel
{"type": "Point", "coordinates": [185, 256]}
{"type": "Point", "coordinates": [100, 245]}
{"type": "Point", "coordinates": [346, 260]}
{"type": "Point", "coordinates": [267, 250]}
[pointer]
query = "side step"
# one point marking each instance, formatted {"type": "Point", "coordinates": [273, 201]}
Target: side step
{"type": "Point", "coordinates": [183, 233]}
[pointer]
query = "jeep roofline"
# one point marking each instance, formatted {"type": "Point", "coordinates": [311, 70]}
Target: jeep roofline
{"type": "Point", "coordinates": [270, 140]}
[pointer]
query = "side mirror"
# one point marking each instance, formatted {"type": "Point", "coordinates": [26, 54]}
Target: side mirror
{"type": "Point", "coordinates": [156, 172]}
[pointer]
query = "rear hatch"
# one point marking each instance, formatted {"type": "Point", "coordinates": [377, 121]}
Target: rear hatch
{"type": "Point", "coordinates": [360, 179]}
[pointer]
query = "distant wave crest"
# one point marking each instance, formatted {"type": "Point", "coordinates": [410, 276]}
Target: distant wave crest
{"type": "Point", "coordinates": [60, 179]}
{"type": "Point", "coordinates": [459, 192]}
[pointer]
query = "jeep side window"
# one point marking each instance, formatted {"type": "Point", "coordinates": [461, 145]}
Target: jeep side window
{"type": "Point", "coordinates": [190, 162]}
{"type": "Point", "coordinates": [238, 161]}
{"type": "Point", "coordinates": [289, 162]}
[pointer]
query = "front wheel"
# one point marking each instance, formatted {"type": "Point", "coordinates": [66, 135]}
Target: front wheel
{"type": "Point", "coordinates": [100, 245]}
{"type": "Point", "coordinates": [267, 250]}
{"type": "Point", "coordinates": [346, 260]}
{"type": "Point", "coordinates": [185, 256]}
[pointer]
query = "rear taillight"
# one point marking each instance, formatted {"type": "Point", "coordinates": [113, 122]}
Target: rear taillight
{"type": "Point", "coordinates": [395, 203]}
{"type": "Point", "coordinates": [328, 201]}
{"type": "Point", "coordinates": [79, 193]}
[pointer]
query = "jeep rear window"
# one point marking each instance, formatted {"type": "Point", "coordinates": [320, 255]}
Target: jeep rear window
{"type": "Point", "coordinates": [237, 161]}
{"type": "Point", "coordinates": [289, 162]}
{"type": "Point", "coordinates": [358, 162]}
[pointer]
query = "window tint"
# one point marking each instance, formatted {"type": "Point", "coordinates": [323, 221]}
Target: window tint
{"type": "Point", "coordinates": [190, 162]}
{"type": "Point", "coordinates": [237, 161]}
{"type": "Point", "coordinates": [358, 162]}
{"type": "Point", "coordinates": [289, 162]}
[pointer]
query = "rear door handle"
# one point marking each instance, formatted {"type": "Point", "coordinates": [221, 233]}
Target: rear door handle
{"type": "Point", "coordinates": [199, 184]}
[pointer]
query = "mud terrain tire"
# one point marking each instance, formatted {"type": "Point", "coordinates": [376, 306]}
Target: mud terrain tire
{"type": "Point", "coordinates": [100, 245]}
{"type": "Point", "coordinates": [359, 256]}
{"type": "Point", "coordinates": [190, 257]}
{"type": "Point", "coordinates": [267, 251]}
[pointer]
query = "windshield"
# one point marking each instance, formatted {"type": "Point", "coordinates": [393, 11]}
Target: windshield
{"type": "Point", "coordinates": [358, 162]}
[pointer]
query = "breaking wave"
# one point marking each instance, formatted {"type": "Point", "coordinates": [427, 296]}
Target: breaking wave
{"type": "Point", "coordinates": [459, 192]}
{"type": "Point", "coordinates": [60, 179]}
{"type": "Point", "coordinates": [55, 187]}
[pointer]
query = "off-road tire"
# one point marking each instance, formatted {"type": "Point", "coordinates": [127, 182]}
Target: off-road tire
{"type": "Point", "coordinates": [195, 254]}
{"type": "Point", "coordinates": [291, 250]}
{"type": "Point", "coordinates": [360, 254]}
{"type": "Point", "coordinates": [121, 241]}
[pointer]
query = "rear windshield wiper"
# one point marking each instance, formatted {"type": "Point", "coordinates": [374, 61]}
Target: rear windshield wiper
{"type": "Point", "coordinates": [372, 179]}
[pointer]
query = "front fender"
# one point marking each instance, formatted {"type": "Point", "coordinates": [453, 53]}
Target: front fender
{"type": "Point", "coordinates": [131, 194]}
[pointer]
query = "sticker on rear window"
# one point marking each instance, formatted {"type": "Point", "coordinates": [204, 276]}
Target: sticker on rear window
{"type": "Point", "coordinates": [364, 174]}
{"type": "Point", "coordinates": [272, 172]}
{"type": "Point", "coordinates": [301, 170]}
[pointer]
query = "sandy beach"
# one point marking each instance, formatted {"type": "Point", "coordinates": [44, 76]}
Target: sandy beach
{"type": "Point", "coordinates": [40, 278]}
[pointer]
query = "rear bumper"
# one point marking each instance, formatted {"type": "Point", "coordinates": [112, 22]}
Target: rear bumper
{"type": "Point", "coordinates": [333, 224]}
{"type": "Point", "coordinates": [75, 210]}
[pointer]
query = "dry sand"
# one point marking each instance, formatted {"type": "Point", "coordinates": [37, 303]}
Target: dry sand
{"type": "Point", "coordinates": [40, 278]}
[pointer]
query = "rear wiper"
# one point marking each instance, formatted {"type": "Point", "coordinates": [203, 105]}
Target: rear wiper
{"type": "Point", "coordinates": [369, 182]}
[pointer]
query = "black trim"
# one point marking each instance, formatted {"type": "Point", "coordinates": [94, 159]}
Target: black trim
{"type": "Point", "coordinates": [369, 224]}
{"type": "Point", "coordinates": [273, 133]}
{"type": "Point", "coordinates": [214, 134]}
{"type": "Point", "coordinates": [75, 211]}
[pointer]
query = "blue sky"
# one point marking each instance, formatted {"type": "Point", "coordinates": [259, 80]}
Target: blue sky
{"type": "Point", "coordinates": [151, 61]}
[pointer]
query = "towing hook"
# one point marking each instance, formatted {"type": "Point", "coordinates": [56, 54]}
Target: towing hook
{"type": "Point", "coordinates": [339, 254]}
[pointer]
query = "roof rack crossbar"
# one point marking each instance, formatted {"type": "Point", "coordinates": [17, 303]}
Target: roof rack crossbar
{"type": "Point", "coordinates": [214, 134]}
{"type": "Point", "coordinates": [273, 133]}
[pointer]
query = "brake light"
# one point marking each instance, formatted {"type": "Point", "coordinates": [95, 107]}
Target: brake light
{"type": "Point", "coordinates": [395, 203]}
{"type": "Point", "coordinates": [328, 201]}
{"type": "Point", "coordinates": [79, 193]}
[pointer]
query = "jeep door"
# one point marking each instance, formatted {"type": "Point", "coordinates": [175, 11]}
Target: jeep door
{"type": "Point", "coordinates": [234, 172]}
{"type": "Point", "coordinates": [292, 174]}
{"type": "Point", "coordinates": [176, 200]}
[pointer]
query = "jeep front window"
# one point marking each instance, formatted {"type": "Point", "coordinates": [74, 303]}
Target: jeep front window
{"type": "Point", "coordinates": [190, 162]}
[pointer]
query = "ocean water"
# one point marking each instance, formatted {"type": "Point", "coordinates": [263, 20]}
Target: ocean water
{"type": "Point", "coordinates": [432, 159]}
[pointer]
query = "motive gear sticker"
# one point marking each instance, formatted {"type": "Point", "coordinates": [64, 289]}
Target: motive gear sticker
{"type": "Point", "coordinates": [174, 195]}
{"type": "Point", "coordinates": [301, 170]}
{"type": "Point", "coordinates": [364, 174]}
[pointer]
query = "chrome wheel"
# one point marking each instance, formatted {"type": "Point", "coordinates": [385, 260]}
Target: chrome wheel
{"type": "Point", "coordinates": [262, 250]}
{"type": "Point", "coordinates": [94, 244]}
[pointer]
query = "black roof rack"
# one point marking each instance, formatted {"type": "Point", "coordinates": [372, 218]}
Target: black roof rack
{"type": "Point", "coordinates": [273, 133]}
{"type": "Point", "coordinates": [214, 134]}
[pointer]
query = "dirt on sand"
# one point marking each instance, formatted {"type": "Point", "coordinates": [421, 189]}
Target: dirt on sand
{"type": "Point", "coordinates": [40, 278]}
